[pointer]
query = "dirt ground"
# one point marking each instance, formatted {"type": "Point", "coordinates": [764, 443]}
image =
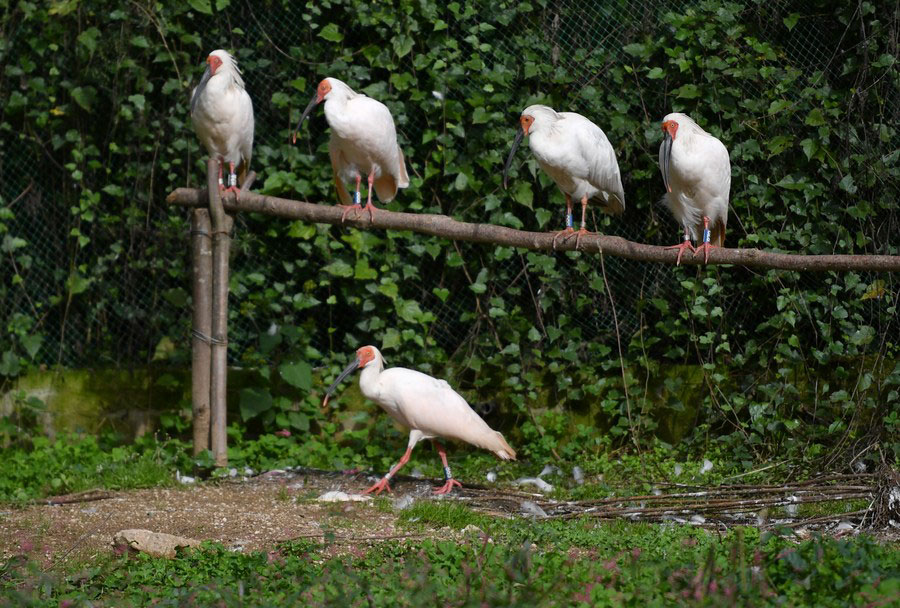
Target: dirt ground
{"type": "Point", "coordinates": [243, 515]}
{"type": "Point", "coordinates": [257, 513]}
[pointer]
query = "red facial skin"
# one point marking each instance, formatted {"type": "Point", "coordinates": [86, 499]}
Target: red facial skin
{"type": "Point", "coordinates": [322, 90]}
{"type": "Point", "coordinates": [526, 122]}
{"type": "Point", "coordinates": [214, 64]}
{"type": "Point", "coordinates": [671, 127]}
{"type": "Point", "coordinates": [365, 355]}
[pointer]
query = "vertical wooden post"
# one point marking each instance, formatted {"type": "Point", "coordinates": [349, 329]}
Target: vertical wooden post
{"type": "Point", "coordinates": [201, 248]}
{"type": "Point", "coordinates": [221, 229]}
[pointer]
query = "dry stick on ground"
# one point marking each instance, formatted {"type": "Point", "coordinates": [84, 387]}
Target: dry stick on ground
{"type": "Point", "coordinates": [446, 227]}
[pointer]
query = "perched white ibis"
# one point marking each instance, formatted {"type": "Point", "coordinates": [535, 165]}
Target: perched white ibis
{"type": "Point", "coordinates": [697, 174]}
{"type": "Point", "coordinates": [222, 114]}
{"type": "Point", "coordinates": [428, 407]}
{"type": "Point", "coordinates": [363, 141]}
{"type": "Point", "coordinates": [576, 154]}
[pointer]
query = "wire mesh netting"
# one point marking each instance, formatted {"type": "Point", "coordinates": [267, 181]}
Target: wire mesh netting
{"type": "Point", "coordinates": [131, 328]}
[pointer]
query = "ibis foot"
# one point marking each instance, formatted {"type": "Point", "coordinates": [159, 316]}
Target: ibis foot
{"type": "Point", "coordinates": [568, 232]}
{"type": "Point", "coordinates": [379, 487]}
{"type": "Point", "coordinates": [347, 209]}
{"type": "Point", "coordinates": [448, 487]}
{"type": "Point", "coordinates": [371, 209]}
{"type": "Point", "coordinates": [681, 247]}
{"type": "Point", "coordinates": [705, 247]}
{"type": "Point", "coordinates": [580, 233]}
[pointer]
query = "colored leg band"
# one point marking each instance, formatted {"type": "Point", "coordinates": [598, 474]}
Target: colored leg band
{"type": "Point", "coordinates": [232, 179]}
{"type": "Point", "coordinates": [687, 237]}
{"type": "Point", "coordinates": [447, 474]}
{"type": "Point", "coordinates": [356, 198]}
{"type": "Point", "coordinates": [568, 220]}
{"type": "Point", "coordinates": [706, 235]}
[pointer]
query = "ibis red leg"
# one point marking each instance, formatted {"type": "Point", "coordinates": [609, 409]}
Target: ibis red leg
{"type": "Point", "coordinates": [232, 180]}
{"type": "Point", "coordinates": [569, 231]}
{"type": "Point", "coordinates": [583, 230]}
{"type": "Point", "coordinates": [369, 206]}
{"type": "Point", "coordinates": [685, 244]}
{"type": "Point", "coordinates": [449, 485]}
{"type": "Point", "coordinates": [382, 484]}
{"type": "Point", "coordinates": [706, 246]}
{"type": "Point", "coordinates": [356, 197]}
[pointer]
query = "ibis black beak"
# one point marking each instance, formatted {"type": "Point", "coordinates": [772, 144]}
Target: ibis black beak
{"type": "Point", "coordinates": [309, 108]}
{"type": "Point", "coordinates": [207, 74]}
{"type": "Point", "coordinates": [515, 146]}
{"type": "Point", "coordinates": [354, 365]}
{"type": "Point", "coordinates": [666, 155]}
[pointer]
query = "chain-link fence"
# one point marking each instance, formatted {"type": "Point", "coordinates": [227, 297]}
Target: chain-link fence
{"type": "Point", "coordinates": [130, 330]}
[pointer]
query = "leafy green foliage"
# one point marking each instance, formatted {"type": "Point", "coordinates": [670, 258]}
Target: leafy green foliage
{"type": "Point", "coordinates": [69, 464]}
{"type": "Point", "coordinates": [753, 363]}
{"type": "Point", "coordinates": [557, 564]}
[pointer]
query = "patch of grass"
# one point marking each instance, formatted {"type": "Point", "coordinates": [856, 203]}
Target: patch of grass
{"type": "Point", "coordinates": [562, 564]}
{"type": "Point", "coordinates": [73, 464]}
{"type": "Point", "coordinates": [440, 513]}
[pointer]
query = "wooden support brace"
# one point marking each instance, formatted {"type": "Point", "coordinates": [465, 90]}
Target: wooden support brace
{"type": "Point", "coordinates": [201, 246]}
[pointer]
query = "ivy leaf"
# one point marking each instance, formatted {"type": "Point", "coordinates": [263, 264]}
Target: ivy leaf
{"type": "Point", "coordinates": [410, 311]}
{"type": "Point", "coordinates": [815, 118]}
{"type": "Point", "coordinates": [848, 185]}
{"type": "Point", "coordinates": [84, 96]}
{"type": "Point", "coordinates": [32, 344]}
{"type": "Point", "coordinates": [791, 20]}
{"type": "Point", "coordinates": [656, 73]}
{"type": "Point", "coordinates": [77, 284]}
{"type": "Point", "coordinates": [390, 339]}
{"type": "Point", "coordinates": [524, 194]}
{"type": "Point", "coordinates": [201, 6]}
{"type": "Point", "coordinates": [363, 271]}
{"type": "Point", "coordinates": [687, 91]}
{"type": "Point", "coordinates": [298, 375]}
{"type": "Point", "coordinates": [402, 45]}
{"type": "Point", "coordinates": [138, 101]}
{"type": "Point", "coordinates": [9, 364]}
{"type": "Point", "coordinates": [339, 268]}
{"type": "Point", "coordinates": [331, 33]}
{"type": "Point", "coordinates": [253, 402]}
{"type": "Point", "coordinates": [299, 421]}
{"type": "Point", "coordinates": [88, 39]}
{"type": "Point", "coordinates": [441, 293]}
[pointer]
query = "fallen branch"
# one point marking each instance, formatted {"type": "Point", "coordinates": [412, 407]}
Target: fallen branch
{"type": "Point", "coordinates": [86, 496]}
{"type": "Point", "coordinates": [446, 227]}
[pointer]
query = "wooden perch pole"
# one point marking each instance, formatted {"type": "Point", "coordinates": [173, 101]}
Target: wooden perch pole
{"type": "Point", "coordinates": [446, 227]}
{"type": "Point", "coordinates": [201, 241]}
{"type": "Point", "coordinates": [221, 229]}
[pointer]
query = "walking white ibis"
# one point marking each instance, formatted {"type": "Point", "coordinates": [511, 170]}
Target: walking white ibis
{"type": "Point", "coordinates": [425, 405]}
{"type": "Point", "coordinates": [696, 171]}
{"type": "Point", "coordinates": [576, 154]}
{"type": "Point", "coordinates": [222, 114]}
{"type": "Point", "coordinates": [363, 141]}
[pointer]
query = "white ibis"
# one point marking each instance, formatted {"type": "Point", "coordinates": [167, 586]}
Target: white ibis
{"type": "Point", "coordinates": [425, 405]}
{"type": "Point", "coordinates": [576, 154]}
{"type": "Point", "coordinates": [222, 114]}
{"type": "Point", "coordinates": [696, 171]}
{"type": "Point", "coordinates": [363, 141]}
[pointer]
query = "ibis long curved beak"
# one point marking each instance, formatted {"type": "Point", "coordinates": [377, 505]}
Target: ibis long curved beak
{"type": "Point", "coordinates": [207, 74]}
{"type": "Point", "coordinates": [515, 146]}
{"type": "Point", "coordinates": [666, 155]}
{"type": "Point", "coordinates": [354, 365]}
{"type": "Point", "coordinates": [309, 108]}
